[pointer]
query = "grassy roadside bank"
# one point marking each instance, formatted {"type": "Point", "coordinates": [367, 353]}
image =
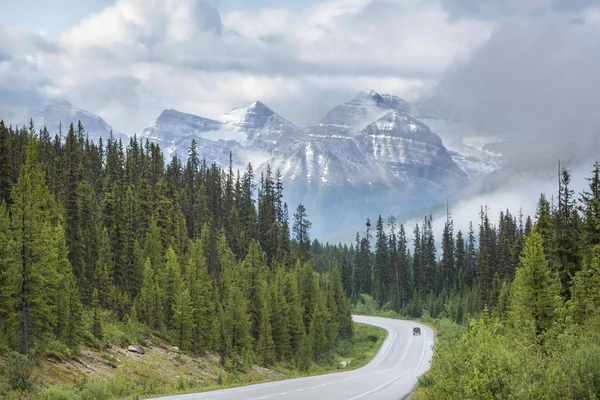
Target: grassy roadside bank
{"type": "Point", "coordinates": [115, 373]}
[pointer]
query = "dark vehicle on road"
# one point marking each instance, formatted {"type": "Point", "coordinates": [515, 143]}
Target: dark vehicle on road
{"type": "Point", "coordinates": [417, 331]}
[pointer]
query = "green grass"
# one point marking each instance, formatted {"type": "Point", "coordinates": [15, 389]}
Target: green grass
{"type": "Point", "coordinates": [162, 371]}
{"type": "Point", "coordinates": [363, 347]}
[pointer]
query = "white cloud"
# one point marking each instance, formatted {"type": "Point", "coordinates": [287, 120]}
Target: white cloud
{"type": "Point", "coordinates": [137, 57]}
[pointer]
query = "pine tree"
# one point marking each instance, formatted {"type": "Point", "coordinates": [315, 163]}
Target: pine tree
{"type": "Point", "coordinates": [296, 327]}
{"type": "Point", "coordinates": [97, 329]}
{"type": "Point", "coordinates": [460, 260]}
{"type": "Point", "coordinates": [6, 171]}
{"type": "Point", "coordinates": [149, 300]}
{"type": "Point", "coordinates": [6, 260]}
{"type": "Point", "coordinates": [307, 289]}
{"type": "Point", "coordinates": [67, 305]}
{"type": "Point", "coordinates": [338, 301]}
{"type": "Point", "coordinates": [448, 260]}
{"type": "Point", "coordinates": [317, 333]}
{"type": "Point", "coordinates": [103, 275]}
{"type": "Point", "coordinates": [182, 323]}
{"type": "Point", "coordinates": [304, 353]}
{"type": "Point", "coordinates": [280, 316]}
{"type": "Point", "coordinates": [255, 269]}
{"type": "Point", "coordinates": [534, 297]}
{"type": "Point", "coordinates": [568, 238]}
{"type": "Point", "coordinates": [266, 346]}
{"type": "Point", "coordinates": [301, 232]}
{"type": "Point", "coordinates": [72, 205]}
{"type": "Point", "coordinates": [546, 229]}
{"type": "Point", "coordinates": [172, 283]}
{"type": "Point", "coordinates": [32, 274]}
{"type": "Point", "coordinates": [585, 299]}
{"type": "Point", "coordinates": [201, 293]}
{"type": "Point", "coordinates": [381, 270]}
{"type": "Point", "coordinates": [590, 206]}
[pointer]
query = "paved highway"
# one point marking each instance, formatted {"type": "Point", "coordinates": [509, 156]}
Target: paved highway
{"type": "Point", "coordinates": [392, 374]}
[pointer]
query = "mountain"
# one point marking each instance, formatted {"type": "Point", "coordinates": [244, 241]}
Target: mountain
{"type": "Point", "coordinates": [476, 152]}
{"type": "Point", "coordinates": [374, 152]}
{"type": "Point", "coordinates": [63, 112]}
{"type": "Point", "coordinates": [249, 133]}
{"type": "Point", "coordinates": [367, 154]}
{"type": "Point", "coordinates": [264, 128]}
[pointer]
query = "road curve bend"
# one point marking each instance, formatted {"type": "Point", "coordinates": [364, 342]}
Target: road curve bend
{"type": "Point", "coordinates": [391, 374]}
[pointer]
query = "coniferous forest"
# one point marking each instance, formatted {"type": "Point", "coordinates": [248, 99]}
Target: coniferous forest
{"type": "Point", "coordinates": [203, 257]}
{"type": "Point", "coordinates": [211, 260]}
{"type": "Point", "coordinates": [526, 290]}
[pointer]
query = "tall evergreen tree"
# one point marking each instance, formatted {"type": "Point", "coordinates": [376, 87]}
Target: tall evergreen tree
{"type": "Point", "coordinates": [302, 233]}
{"type": "Point", "coordinates": [590, 206]}
{"type": "Point", "coordinates": [182, 322]}
{"type": "Point", "coordinates": [535, 299]}
{"type": "Point", "coordinates": [32, 271]}
{"type": "Point", "coordinates": [381, 266]}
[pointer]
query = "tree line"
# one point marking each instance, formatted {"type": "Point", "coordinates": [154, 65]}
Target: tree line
{"type": "Point", "coordinates": [202, 256]}
{"type": "Point", "coordinates": [527, 290]}
{"type": "Point", "coordinates": [467, 270]}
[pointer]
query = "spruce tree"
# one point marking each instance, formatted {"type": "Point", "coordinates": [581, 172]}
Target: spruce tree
{"type": "Point", "coordinates": [67, 304]}
{"type": "Point", "coordinates": [182, 322]}
{"type": "Point", "coordinates": [280, 316]}
{"type": "Point", "coordinates": [201, 293]}
{"type": "Point", "coordinates": [6, 260]}
{"type": "Point", "coordinates": [317, 333]}
{"type": "Point", "coordinates": [72, 204]}
{"type": "Point", "coordinates": [103, 276]}
{"type": "Point", "coordinates": [6, 171]}
{"type": "Point", "coordinates": [534, 295]}
{"type": "Point", "coordinates": [302, 233]}
{"type": "Point", "coordinates": [590, 206]}
{"type": "Point", "coordinates": [381, 270]}
{"type": "Point", "coordinates": [32, 272]}
{"type": "Point", "coordinates": [448, 256]}
{"type": "Point", "coordinates": [172, 283]}
{"type": "Point", "coordinates": [266, 346]}
{"type": "Point", "coordinates": [296, 327]}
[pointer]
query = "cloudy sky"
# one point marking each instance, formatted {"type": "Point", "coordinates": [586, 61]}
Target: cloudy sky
{"type": "Point", "coordinates": [127, 60]}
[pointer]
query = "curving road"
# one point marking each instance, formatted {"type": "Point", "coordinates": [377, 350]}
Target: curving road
{"type": "Point", "coordinates": [392, 374]}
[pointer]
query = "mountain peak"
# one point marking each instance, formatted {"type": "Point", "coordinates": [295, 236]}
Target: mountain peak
{"type": "Point", "coordinates": [369, 92]}
{"type": "Point", "coordinates": [368, 96]}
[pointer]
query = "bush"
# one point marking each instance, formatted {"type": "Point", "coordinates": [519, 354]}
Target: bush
{"type": "Point", "coordinates": [19, 371]}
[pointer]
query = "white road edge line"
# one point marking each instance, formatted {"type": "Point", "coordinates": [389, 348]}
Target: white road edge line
{"type": "Point", "coordinates": [399, 376]}
{"type": "Point", "coordinates": [392, 340]}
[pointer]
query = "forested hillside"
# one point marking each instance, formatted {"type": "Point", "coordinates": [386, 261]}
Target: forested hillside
{"type": "Point", "coordinates": [528, 289]}
{"type": "Point", "coordinates": [203, 258]}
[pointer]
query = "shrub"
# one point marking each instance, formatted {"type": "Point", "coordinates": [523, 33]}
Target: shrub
{"type": "Point", "coordinates": [19, 371]}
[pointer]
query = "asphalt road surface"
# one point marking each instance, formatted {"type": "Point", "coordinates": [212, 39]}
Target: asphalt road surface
{"type": "Point", "coordinates": [392, 374]}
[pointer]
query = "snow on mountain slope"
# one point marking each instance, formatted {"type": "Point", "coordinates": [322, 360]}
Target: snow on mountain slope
{"type": "Point", "coordinates": [64, 113]}
{"type": "Point", "coordinates": [262, 126]}
{"type": "Point", "coordinates": [249, 133]}
{"type": "Point", "coordinates": [350, 118]}
{"type": "Point", "coordinates": [392, 161]}
{"type": "Point", "coordinates": [467, 147]}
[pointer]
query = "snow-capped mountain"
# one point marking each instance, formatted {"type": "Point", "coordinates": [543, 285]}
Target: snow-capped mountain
{"type": "Point", "coordinates": [64, 113]}
{"type": "Point", "coordinates": [375, 152]}
{"type": "Point", "coordinates": [368, 154]}
{"type": "Point", "coordinates": [264, 128]}
{"type": "Point", "coordinates": [249, 133]}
